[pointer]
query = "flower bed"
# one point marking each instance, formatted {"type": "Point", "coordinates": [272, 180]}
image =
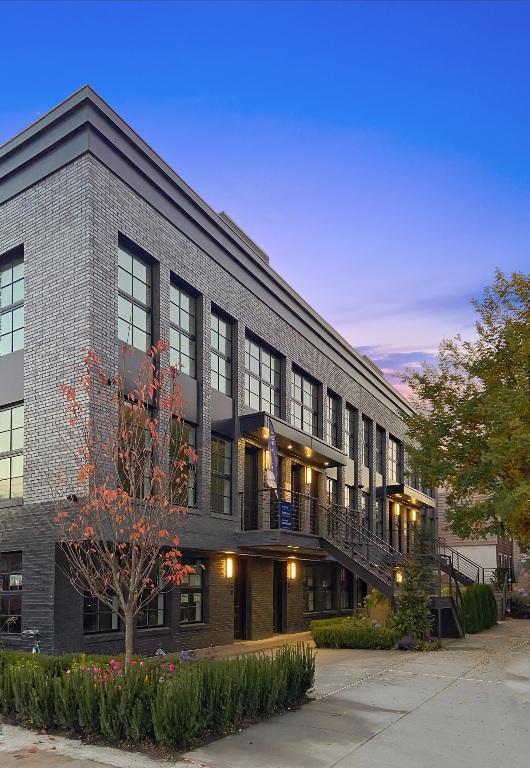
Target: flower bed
{"type": "Point", "coordinates": [170, 703]}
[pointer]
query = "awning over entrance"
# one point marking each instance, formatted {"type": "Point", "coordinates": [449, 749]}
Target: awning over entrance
{"type": "Point", "coordinates": [291, 441]}
{"type": "Point", "coordinates": [405, 494]}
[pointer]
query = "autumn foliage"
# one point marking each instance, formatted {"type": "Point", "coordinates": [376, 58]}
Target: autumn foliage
{"type": "Point", "coordinates": [134, 467]}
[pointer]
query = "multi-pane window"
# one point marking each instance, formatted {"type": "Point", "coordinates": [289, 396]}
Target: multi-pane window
{"type": "Point", "coordinates": [153, 614]}
{"type": "Point", "coordinates": [221, 485]}
{"type": "Point", "coordinates": [345, 589]}
{"type": "Point", "coordinates": [332, 491]}
{"type": "Point", "coordinates": [379, 450]}
{"type": "Point", "coordinates": [11, 447]}
{"type": "Point", "coordinates": [379, 507]}
{"type": "Point", "coordinates": [349, 497]}
{"type": "Point", "coordinates": [98, 616]}
{"type": "Point", "coordinates": [309, 588]}
{"type": "Point", "coordinates": [10, 592]}
{"type": "Point", "coordinates": [349, 431]}
{"type": "Point", "coordinates": [182, 316]}
{"type": "Point", "coordinates": [136, 448]}
{"type": "Point", "coordinates": [395, 468]}
{"type": "Point", "coordinates": [134, 300]}
{"type": "Point", "coordinates": [192, 589]}
{"type": "Point", "coordinates": [304, 414]}
{"type": "Point", "coordinates": [327, 590]}
{"type": "Point", "coordinates": [365, 509]}
{"type": "Point", "coordinates": [221, 354]}
{"type": "Point", "coordinates": [12, 306]}
{"type": "Point", "coordinates": [366, 444]}
{"type": "Point", "coordinates": [262, 378]}
{"type": "Point", "coordinates": [184, 434]}
{"type": "Point", "coordinates": [332, 420]}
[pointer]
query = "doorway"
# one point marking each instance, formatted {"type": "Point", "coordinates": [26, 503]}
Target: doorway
{"type": "Point", "coordinates": [296, 495]}
{"type": "Point", "coordinates": [240, 599]}
{"type": "Point", "coordinates": [279, 596]}
{"type": "Point", "coordinates": [250, 512]}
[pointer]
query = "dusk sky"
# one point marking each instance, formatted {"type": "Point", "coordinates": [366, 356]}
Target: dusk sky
{"type": "Point", "coordinates": [379, 152]}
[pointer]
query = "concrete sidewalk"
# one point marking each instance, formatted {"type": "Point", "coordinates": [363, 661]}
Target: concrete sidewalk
{"type": "Point", "coordinates": [467, 706]}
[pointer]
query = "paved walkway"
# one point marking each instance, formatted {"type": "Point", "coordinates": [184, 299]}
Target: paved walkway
{"type": "Point", "coordinates": [467, 706]}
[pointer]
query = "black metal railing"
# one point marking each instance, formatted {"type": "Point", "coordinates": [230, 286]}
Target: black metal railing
{"type": "Point", "coordinates": [463, 566]}
{"type": "Point", "coordinates": [278, 508]}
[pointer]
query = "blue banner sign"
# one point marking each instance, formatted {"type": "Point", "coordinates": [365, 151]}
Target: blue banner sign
{"type": "Point", "coordinates": [286, 514]}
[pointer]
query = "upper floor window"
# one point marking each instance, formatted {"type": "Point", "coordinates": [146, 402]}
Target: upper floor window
{"type": "Point", "coordinates": [134, 300]}
{"type": "Point", "coordinates": [332, 419]}
{"type": "Point", "coordinates": [365, 509]}
{"type": "Point", "coordinates": [12, 306]}
{"type": "Point", "coordinates": [11, 447]}
{"type": "Point", "coordinates": [367, 442]}
{"type": "Point", "coordinates": [304, 414]}
{"type": "Point", "coordinates": [184, 434]}
{"type": "Point", "coordinates": [221, 354]}
{"type": "Point", "coordinates": [379, 450]}
{"type": "Point", "coordinates": [332, 491]}
{"type": "Point", "coordinates": [262, 378]}
{"type": "Point", "coordinates": [349, 497]}
{"type": "Point", "coordinates": [395, 461]}
{"type": "Point", "coordinates": [182, 315]}
{"type": "Point", "coordinates": [350, 428]}
{"type": "Point", "coordinates": [10, 592]}
{"type": "Point", "coordinates": [221, 485]}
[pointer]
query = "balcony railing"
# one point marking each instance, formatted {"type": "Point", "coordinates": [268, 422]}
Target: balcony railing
{"type": "Point", "coordinates": [281, 508]}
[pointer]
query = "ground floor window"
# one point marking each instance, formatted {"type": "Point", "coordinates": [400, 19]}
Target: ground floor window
{"type": "Point", "coordinates": [345, 588]}
{"type": "Point", "coordinates": [10, 592]}
{"type": "Point", "coordinates": [379, 507]}
{"type": "Point", "coordinates": [153, 614]}
{"type": "Point", "coordinates": [98, 616]}
{"type": "Point", "coordinates": [327, 591]}
{"type": "Point", "coordinates": [192, 589]}
{"type": "Point", "coordinates": [221, 485]}
{"type": "Point", "coordinates": [309, 588]}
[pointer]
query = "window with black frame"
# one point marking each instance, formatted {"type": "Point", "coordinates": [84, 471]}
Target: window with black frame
{"type": "Point", "coordinates": [379, 517]}
{"type": "Point", "coordinates": [327, 589]}
{"type": "Point", "coordinates": [309, 588]}
{"type": "Point", "coordinates": [11, 305]}
{"type": "Point", "coordinates": [366, 444]}
{"type": "Point", "coordinates": [184, 434]}
{"type": "Point", "coordinates": [192, 593]}
{"type": "Point", "coordinates": [221, 477]}
{"type": "Point", "coordinates": [10, 593]}
{"type": "Point", "coordinates": [365, 509]}
{"type": "Point", "coordinates": [304, 407]}
{"type": "Point", "coordinates": [221, 354]}
{"type": "Point", "coordinates": [332, 420]}
{"type": "Point", "coordinates": [134, 300]}
{"type": "Point", "coordinates": [182, 324]}
{"type": "Point", "coordinates": [345, 588]}
{"type": "Point", "coordinates": [350, 426]}
{"type": "Point", "coordinates": [11, 452]}
{"type": "Point", "coordinates": [349, 497]}
{"type": "Point", "coordinates": [98, 616]}
{"type": "Point", "coordinates": [153, 614]}
{"type": "Point", "coordinates": [262, 378]}
{"type": "Point", "coordinates": [395, 461]}
{"type": "Point", "coordinates": [379, 450]}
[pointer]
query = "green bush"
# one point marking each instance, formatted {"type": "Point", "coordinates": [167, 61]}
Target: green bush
{"type": "Point", "coordinates": [168, 703]}
{"type": "Point", "coordinates": [480, 608]}
{"type": "Point", "coordinates": [351, 636]}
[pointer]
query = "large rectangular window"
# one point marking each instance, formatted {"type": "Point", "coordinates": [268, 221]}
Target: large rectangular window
{"type": "Point", "coordinates": [379, 515]}
{"type": "Point", "coordinates": [134, 300]}
{"type": "Point", "coordinates": [332, 420]}
{"type": "Point", "coordinates": [221, 485]}
{"type": "Point", "coordinates": [327, 589]}
{"type": "Point", "coordinates": [12, 306]}
{"type": "Point", "coordinates": [365, 509]}
{"type": "Point", "coordinates": [99, 617]}
{"type": "Point", "coordinates": [349, 497]}
{"type": "Point", "coordinates": [304, 411]}
{"type": "Point", "coordinates": [262, 378]}
{"type": "Point", "coordinates": [182, 323]}
{"type": "Point", "coordinates": [366, 442]}
{"type": "Point", "coordinates": [10, 592]}
{"type": "Point", "coordinates": [11, 448]}
{"type": "Point", "coordinates": [153, 614]}
{"type": "Point", "coordinates": [192, 594]}
{"type": "Point", "coordinates": [350, 427]}
{"type": "Point", "coordinates": [345, 589]}
{"type": "Point", "coordinates": [395, 461]}
{"type": "Point", "coordinates": [184, 434]}
{"type": "Point", "coordinates": [221, 354]}
{"type": "Point", "coordinates": [309, 588]}
{"type": "Point", "coordinates": [379, 450]}
{"type": "Point", "coordinates": [332, 491]}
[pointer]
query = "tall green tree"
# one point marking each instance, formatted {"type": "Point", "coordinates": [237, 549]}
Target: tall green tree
{"type": "Point", "coordinates": [471, 431]}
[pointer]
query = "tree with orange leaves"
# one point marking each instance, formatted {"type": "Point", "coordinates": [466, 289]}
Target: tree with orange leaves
{"type": "Point", "coordinates": [134, 469]}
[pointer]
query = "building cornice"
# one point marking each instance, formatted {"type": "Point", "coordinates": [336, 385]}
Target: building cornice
{"type": "Point", "coordinates": [85, 123]}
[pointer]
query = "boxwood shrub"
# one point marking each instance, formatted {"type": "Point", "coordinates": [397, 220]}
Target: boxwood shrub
{"type": "Point", "coordinates": [348, 635]}
{"type": "Point", "coordinates": [480, 608]}
{"type": "Point", "coordinates": [169, 703]}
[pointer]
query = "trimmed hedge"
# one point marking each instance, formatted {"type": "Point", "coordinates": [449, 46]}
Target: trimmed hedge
{"type": "Point", "coordinates": [169, 704]}
{"type": "Point", "coordinates": [344, 635]}
{"type": "Point", "coordinates": [480, 608]}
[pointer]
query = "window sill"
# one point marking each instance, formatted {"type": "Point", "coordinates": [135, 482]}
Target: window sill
{"type": "Point", "coordinates": [193, 627]}
{"type": "Point", "coordinates": [95, 637]}
{"type": "Point", "coordinates": [146, 631]}
{"type": "Point", "coordinates": [221, 516]}
{"type": "Point", "coordinates": [6, 503]}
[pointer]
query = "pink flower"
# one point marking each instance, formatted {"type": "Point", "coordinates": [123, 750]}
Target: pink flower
{"type": "Point", "coordinates": [171, 667]}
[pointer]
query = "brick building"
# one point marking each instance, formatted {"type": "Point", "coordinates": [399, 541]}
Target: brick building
{"type": "Point", "coordinates": [102, 243]}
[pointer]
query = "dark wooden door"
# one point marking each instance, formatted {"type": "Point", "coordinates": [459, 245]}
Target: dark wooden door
{"type": "Point", "coordinates": [240, 599]}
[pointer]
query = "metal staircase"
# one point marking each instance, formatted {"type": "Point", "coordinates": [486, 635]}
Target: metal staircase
{"type": "Point", "coordinates": [464, 570]}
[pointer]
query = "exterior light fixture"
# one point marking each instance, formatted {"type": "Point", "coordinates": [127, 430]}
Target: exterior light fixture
{"type": "Point", "coordinates": [289, 447]}
{"type": "Point", "coordinates": [326, 463]}
{"type": "Point", "coordinates": [399, 577]}
{"type": "Point", "coordinates": [266, 433]}
{"type": "Point", "coordinates": [229, 567]}
{"type": "Point", "coordinates": [308, 475]}
{"type": "Point", "coordinates": [291, 569]}
{"type": "Point", "coordinates": [397, 510]}
{"type": "Point", "coordinates": [413, 516]}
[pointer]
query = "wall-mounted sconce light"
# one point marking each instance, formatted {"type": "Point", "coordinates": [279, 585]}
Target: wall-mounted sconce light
{"type": "Point", "coordinates": [399, 577]}
{"type": "Point", "coordinates": [229, 567]}
{"type": "Point", "coordinates": [397, 510]}
{"type": "Point", "coordinates": [289, 447]}
{"type": "Point", "coordinates": [413, 515]}
{"type": "Point", "coordinates": [291, 569]}
{"type": "Point", "coordinates": [308, 475]}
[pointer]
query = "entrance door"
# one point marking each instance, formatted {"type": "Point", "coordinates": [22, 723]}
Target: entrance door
{"type": "Point", "coordinates": [279, 593]}
{"type": "Point", "coordinates": [313, 509]}
{"type": "Point", "coordinates": [296, 495]}
{"type": "Point", "coordinates": [250, 512]}
{"type": "Point", "coordinates": [240, 599]}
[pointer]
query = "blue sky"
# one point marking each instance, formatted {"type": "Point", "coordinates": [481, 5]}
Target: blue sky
{"type": "Point", "coordinates": [379, 152]}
